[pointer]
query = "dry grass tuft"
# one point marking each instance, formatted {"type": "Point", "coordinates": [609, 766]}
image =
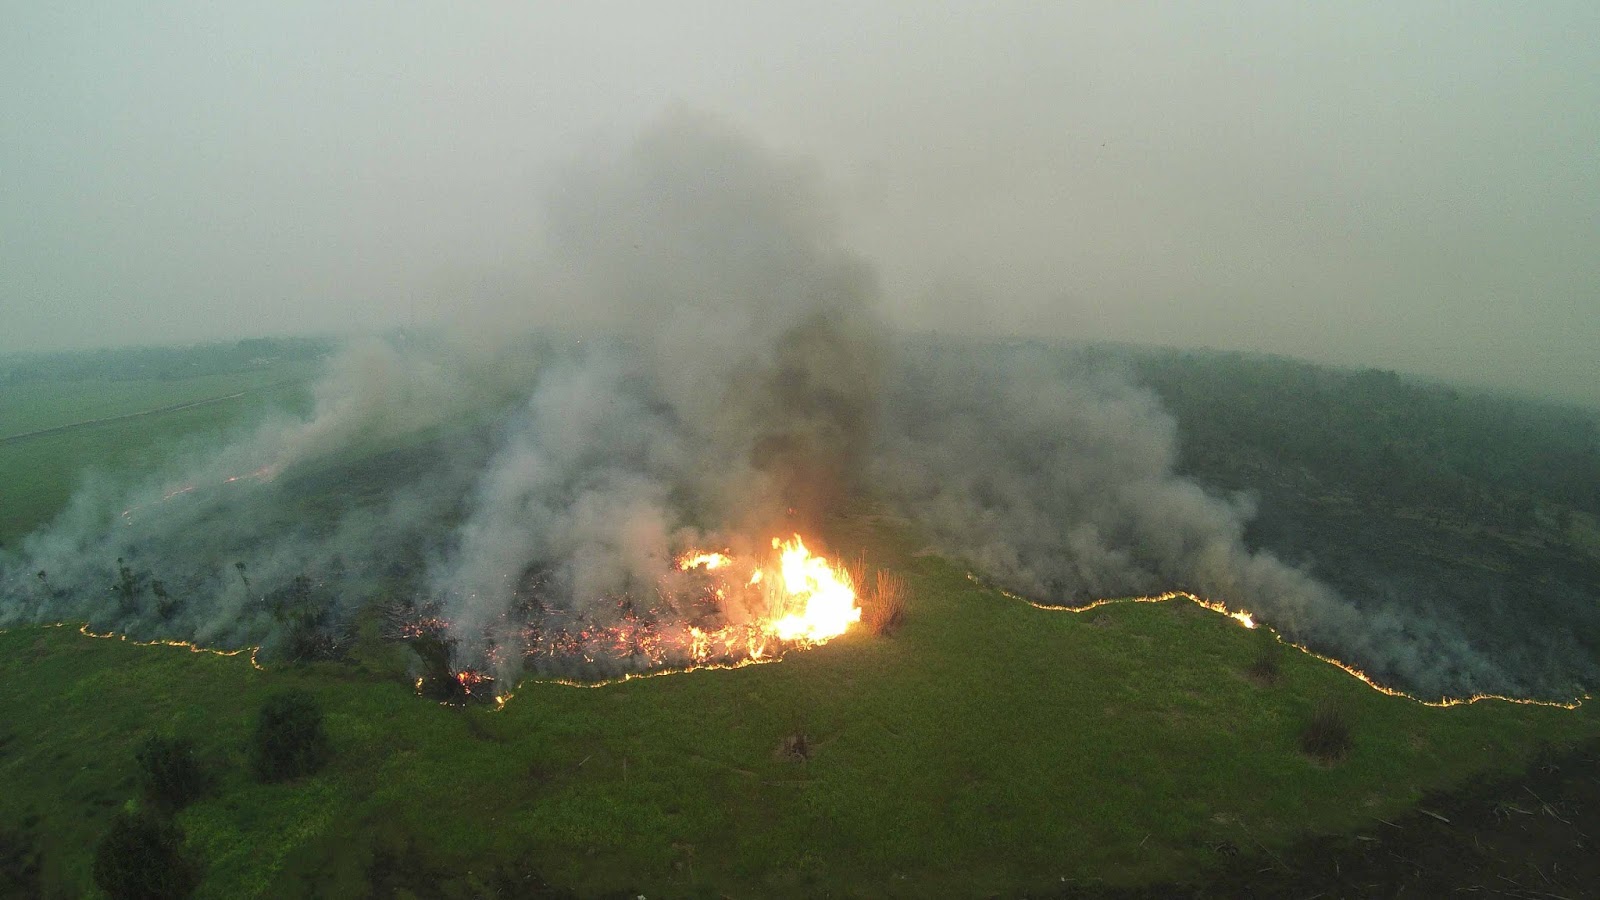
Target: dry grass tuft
{"type": "Point", "coordinates": [884, 610]}
{"type": "Point", "coordinates": [796, 747]}
{"type": "Point", "coordinates": [1327, 735]}
{"type": "Point", "coordinates": [1267, 668]}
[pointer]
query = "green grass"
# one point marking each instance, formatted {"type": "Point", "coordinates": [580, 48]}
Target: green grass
{"type": "Point", "coordinates": [987, 747]}
{"type": "Point", "coordinates": [48, 404]}
{"type": "Point", "coordinates": [39, 474]}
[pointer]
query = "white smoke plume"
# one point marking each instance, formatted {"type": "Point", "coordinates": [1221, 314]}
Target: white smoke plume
{"type": "Point", "coordinates": [722, 378]}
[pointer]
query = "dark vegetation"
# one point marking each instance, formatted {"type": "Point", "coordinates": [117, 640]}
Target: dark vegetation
{"type": "Point", "coordinates": [289, 737]}
{"type": "Point", "coordinates": [19, 864]}
{"type": "Point", "coordinates": [1267, 668]}
{"type": "Point", "coordinates": [1327, 736]}
{"type": "Point", "coordinates": [1482, 511]}
{"type": "Point", "coordinates": [1471, 456]}
{"type": "Point", "coordinates": [1533, 836]}
{"type": "Point", "coordinates": [170, 773]}
{"type": "Point", "coordinates": [142, 858]}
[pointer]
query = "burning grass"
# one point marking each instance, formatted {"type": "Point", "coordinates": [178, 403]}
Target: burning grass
{"type": "Point", "coordinates": [1013, 748]}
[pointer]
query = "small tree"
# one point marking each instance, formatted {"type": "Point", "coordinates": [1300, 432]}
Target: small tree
{"type": "Point", "coordinates": [166, 605]}
{"type": "Point", "coordinates": [129, 587]}
{"type": "Point", "coordinates": [141, 858]}
{"type": "Point", "coordinates": [169, 772]}
{"type": "Point", "coordinates": [289, 739]}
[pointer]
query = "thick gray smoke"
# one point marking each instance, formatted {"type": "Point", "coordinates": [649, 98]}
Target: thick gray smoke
{"type": "Point", "coordinates": [722, 389]}
{"type": "Point", "coordinates": [723, 379]}
{"type": "Point", "coordinates": [1055, 478]}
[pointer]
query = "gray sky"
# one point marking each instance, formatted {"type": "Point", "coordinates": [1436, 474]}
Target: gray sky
{"type": "Point", "coordinates": [1412, 185]}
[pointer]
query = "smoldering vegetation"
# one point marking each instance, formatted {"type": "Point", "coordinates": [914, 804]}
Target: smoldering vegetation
{"type": "Point", "coordinates": [1057, 475]}
{"type": "Point", "coordinates": [721, 389]}
{"type": "Point", "coordinates": [724, 377]}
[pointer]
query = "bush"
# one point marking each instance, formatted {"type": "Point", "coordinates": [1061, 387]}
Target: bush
{"type": "Point", "coordinates": [1327, 735]}
{"type": "Point", "coordinates": [885, 609]}
{"type": "Point", "coordinates": [1267, 667]}
{"type": "Point", "coordinates": [169, 772]}
{"type": "Point", "coordinates": [142, 857]}
{"type": "Point", "coordinates": [19, 865]}
{"type": "Point", "coordinates": [289, 739]}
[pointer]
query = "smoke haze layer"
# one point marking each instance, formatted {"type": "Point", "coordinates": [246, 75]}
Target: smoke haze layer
{"type": "Point", "coordinates": [724, 378]}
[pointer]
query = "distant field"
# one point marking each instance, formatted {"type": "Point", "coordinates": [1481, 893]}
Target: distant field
{"type": "Point", "coordinates": [38, 405]}
{"type": "Point", "coordinates": [38, 474]}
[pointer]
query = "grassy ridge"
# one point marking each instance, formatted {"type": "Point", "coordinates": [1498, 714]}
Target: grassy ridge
{"type": "Point", "coordinates": [987, 747]}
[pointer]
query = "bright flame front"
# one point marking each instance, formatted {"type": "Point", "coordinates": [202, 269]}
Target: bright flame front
{"type": "Point", "coordinates": [819, 602]}
{"type": "Point", "coordinates": [807, 600]}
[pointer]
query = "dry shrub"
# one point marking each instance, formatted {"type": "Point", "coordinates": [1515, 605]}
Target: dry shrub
{"type": "Point", "coordinates": [885, 609]}
{"type": "Point", "coordinates": [1327, 736]}
{"type": "Point", "coordinates": [796, 747]}
{"type": "Point", "coordinates": [1267, 668]}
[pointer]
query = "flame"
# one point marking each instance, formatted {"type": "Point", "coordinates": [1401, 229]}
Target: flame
{"type": "Point", "coordinates": [826, 599]}
{"type": "Point", "coordinates": [711, 561]}
{"type": "Point", "coordinates": [1247, 620]}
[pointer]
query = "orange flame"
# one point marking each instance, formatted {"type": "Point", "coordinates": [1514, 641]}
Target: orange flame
{"type": "Point", "coordinates": [1248, 621]}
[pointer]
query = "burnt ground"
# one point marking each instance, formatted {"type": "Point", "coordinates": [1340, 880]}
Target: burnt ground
{"type": "Point", "coordinates": [1534, 837]}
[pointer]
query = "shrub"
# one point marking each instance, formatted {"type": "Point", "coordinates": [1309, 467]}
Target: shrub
{"type": "Point", "coordinates": [1327, 735]}
{"type": "Point", "coordinates": [142, 857]}
{"type": "Point", "coordinates": [169, 772]}
{"type": "Point", "coordinates": [19, 865]}
{"type": "Point", "coordinates": [289, 739]}
{"type": "Point", "coordinates": [885, 609]}
{"type": "Point", "coordinates": [1265, 668]}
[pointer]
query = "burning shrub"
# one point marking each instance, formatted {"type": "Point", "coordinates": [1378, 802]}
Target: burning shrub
{"type": "Point", "coordinates": [289, 740]}
{"type": "Point", "coordinates": [169, 772]}
{"type": "Point", "coordinates": [141, 858]}
{"type": "Point", "coordinates": [1327, 736]}
{"type": "Point", "coordinates": [885, 610]}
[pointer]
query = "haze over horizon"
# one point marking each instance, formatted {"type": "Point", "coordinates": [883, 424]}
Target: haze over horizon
{"type": "Point", "coordinates": [1414, 186]}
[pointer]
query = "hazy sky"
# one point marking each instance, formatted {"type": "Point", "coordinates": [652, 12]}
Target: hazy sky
{"type": "Point", "coordinates": [1411, 185]}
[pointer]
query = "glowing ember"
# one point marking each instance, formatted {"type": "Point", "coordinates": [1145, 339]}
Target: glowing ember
{"type": "Point", "coordinates": [710, 561]}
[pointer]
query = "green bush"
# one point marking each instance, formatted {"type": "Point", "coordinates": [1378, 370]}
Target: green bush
{"type": "Point", "coordinates": [289, 739]}
{"type": "Point", "coordinates": [141, 858]}
{"type": "Point", "coordinates": [169, 772]}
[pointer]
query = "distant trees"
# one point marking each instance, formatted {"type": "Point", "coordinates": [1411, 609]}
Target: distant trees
{"type": "Point", "coordinates": [289, 739]}
{"type": "Point", "coordinates": [1378, 435]}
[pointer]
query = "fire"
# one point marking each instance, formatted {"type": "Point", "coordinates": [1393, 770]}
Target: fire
{"type": "Point", "coordinates": [825, 597]}
{"type": "Point", "coordinates": [711, 561]}
{"type": "Point", "coordinates": [1247, 620]}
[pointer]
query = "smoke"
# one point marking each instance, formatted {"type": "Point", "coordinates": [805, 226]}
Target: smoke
{"type": "Point", "coordinates": [721, 376]}
{"type": "Point", "coordinates": [722, 390]}
{"type": "Point", "coordinates": [1054, 477]}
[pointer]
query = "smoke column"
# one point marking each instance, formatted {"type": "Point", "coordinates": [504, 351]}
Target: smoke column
{"type": "Point", "coordinates": [722, 377]}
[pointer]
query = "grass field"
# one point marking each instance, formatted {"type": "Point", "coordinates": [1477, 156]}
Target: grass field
{"type": "Point", "coordinates": [986, 748]}
{"type": "Point", "coordinates": [39, 473]}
